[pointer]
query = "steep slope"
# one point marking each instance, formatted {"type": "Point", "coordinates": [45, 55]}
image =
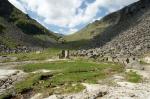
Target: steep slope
{"type": "Point", "coordinates": [18, 29]}
{"type": "Point", "coordinates": [93, 29]}
{"type": "Point", "coordinates": [129, 36]}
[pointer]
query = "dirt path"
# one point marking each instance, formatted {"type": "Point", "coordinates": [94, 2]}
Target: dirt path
{"type": "Point", "coordinates": [11, 65]}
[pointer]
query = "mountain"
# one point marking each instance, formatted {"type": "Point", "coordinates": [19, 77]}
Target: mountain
{"type": "Point", "coordinates": [93, 29]}
{"type": "Point", "coordinates": [124, 33]}
{"type": "Point", "coordinates": [18, 29]}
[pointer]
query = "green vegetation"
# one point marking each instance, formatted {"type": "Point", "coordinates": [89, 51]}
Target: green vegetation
{"type": "Point", "coordinates": [75, 45]}
{"type": "Point", "coordinates": [94, 29]}
{"type": "Point", "coordinates": [46, 54]}
{"type": "Point", "coordinates": [143, 62]}
{"type": "Point", "coordinates": [66, 77]}
{"type": "Point", "coordinates": [45, 38]}
{"type": "Point", "coordinates": [27, 83]}
{"type": "Point", "coordinates": [26, 30]}
{"type": "Point", "coordinates": [83, 37]}
{"type": "Point", "coordinates": [72, 66]}
{"type": "Point", "coordinates": [7, 41]}
{"type": "Point", "coordinates": [88, 32]}
{"type": "Point", "coordinates": [29, 28]}
{"type": "Point", "coordinates": [132, 76]}
{"type": "Point", "coordinates": [37, 84]}
{"type": "Point", "coordinates": [28, 25]}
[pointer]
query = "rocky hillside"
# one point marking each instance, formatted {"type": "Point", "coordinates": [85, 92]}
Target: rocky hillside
{"type": "Point", "coordinates": [18, 29]}
{"type": "Point", "coordinates": [129, 35]}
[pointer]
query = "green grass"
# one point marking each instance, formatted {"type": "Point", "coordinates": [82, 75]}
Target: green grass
{"type": "Point", "coordinates": [66, 77]}
{"type": "Point", "coordinates": [27, 83]}
{"type": "Point", "coordinates": [29, 26]}
{"type": "Point", "coordinates": [75, 45]}
{"type": "Point", "coordinates": [75, 71]}
{"type": "Point", "coordinates": [133, 77]}
{"type": "Point", "coordinates": [71, 66]}
{"type": "Point", "coordinates": [33, 82]}
{"type": "Point", "coordinates": [46, 54]}
{"type": "Point", "coordinates": [7, 41]}
{"type": "Point", "coordinates": [93, 29]}
{"type": "Point", "coordinates": [88, 32]}
{"type": "Point", "coordinates": [144, 63]}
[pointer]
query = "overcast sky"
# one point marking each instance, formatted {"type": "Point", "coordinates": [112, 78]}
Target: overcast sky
{"type": "Point", "coordinates": [68, 16]}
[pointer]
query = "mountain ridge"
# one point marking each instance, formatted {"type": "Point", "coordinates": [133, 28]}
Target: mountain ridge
{"type": "Point", "coordinates": [21, 30]}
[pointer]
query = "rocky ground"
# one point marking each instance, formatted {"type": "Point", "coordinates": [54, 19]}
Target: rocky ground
{"type": "Point", "coordinates": [8, 78]}
{"type": "Point", "coordinates": [115, 87]}
{"type": "Point", "coordinates": [17, 49]}
{"type": "Point", "coordinates": [120, 90]}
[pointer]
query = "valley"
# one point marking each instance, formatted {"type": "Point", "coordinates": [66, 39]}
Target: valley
{"type": "Point", "coordinates": [108, 59]}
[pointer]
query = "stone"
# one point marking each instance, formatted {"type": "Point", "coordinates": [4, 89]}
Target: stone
{"type": "Point", "coordinates": [38, 52]}
{"type": "Point", "coordinates": [146, 59]}
{"type": "Point", "coordinates": [64, 54]}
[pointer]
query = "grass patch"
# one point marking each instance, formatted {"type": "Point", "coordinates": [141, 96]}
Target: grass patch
{"type": "Point", "coordinates": [72, 66]}
{"type": "Point", "coordinates": [46, 54]}
{"type": "Point", "coordinates": [74, 88]}
{"type": "Point", "coordinates": [27, 83]}
{"type": "Point", "coordinates": [68, 76]}
{"type": "Point", "coordinates": [133, 77]}
{"type": "Point", "coordinates": [75, 71]}
{"type": "Point", "coordinates": [9, 42]}
{"type": "Point", "coordinates": [144, 63]}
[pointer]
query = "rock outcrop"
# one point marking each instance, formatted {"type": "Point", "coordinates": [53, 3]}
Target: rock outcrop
{"type": "Point", "coordinates": [8, 78]}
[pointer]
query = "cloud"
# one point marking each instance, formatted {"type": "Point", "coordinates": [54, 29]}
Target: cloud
{"type": "Point", "coordinates": [69, 13]}
{"type": "Point", "coordinates": [72, 30]}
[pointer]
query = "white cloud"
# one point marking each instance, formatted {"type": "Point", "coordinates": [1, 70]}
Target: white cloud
{"type": "Point", "coordinates": [96, 19]}
{"type": "Point", "coordinates": [63, 13]}
{"type": "Point", "coordinates": [71, 31]}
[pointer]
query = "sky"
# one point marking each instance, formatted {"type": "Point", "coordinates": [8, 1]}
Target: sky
{"type": "Point", "coordinates": [68, 16]}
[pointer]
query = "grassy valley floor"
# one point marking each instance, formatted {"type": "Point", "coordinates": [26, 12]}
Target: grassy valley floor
{"type": "Point", "coordinates": [42, 74]}
{"type": "Point", "coordinates": [61, 77]}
